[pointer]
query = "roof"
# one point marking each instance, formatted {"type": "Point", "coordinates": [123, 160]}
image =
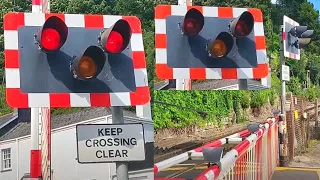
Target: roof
{"type": "Point", "coordinates": [160, 85]}
{"type": "Point", "coordinates": [6, 119]}
{"type": "Point", "coordinates": [24, 128]}
{"type": "Point", "coordinates": [213, 84]}
{"type": "Point", "coordinates": [203, 85]}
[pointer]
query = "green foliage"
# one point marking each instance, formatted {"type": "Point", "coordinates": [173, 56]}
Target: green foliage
{"type": "Point", "coordinates": [58, 111]}
{"type": "Point", "coordinates": [311, 94]}
{"type": "Point", "coordinates": [259, 98]}
{"type": "Point", "coordinates": [216, 104]}
{"type": "Point", "coordinates": [294, 86]}
{"type": "Point", "coordinates": [245, 100]}
{"type": "Point", "coordinates": [4, 108]}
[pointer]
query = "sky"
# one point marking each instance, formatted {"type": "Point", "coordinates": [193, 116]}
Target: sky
{"type": "Point", "coordinates": [316, 3]}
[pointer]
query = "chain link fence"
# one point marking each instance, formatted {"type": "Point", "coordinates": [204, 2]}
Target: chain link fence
{"type": "Point", "coordinates": [301, 124]}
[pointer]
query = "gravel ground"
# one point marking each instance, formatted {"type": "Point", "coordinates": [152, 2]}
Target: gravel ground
{"type": "Point", "coordinates": [202, 135]}
{"type": "Point", "coordinates": [311, 159]}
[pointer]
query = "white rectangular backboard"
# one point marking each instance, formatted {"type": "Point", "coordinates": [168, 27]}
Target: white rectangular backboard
{"type": "Point", "coordinates": [103, 143]}
{"type": "Point", "coordinates": [285, 73]}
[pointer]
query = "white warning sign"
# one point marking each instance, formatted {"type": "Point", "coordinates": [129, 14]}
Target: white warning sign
{"type": "Point", "coordinates": [110, 142]}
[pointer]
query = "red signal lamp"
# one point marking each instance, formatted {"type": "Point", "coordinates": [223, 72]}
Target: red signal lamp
{"type": "Point", "coordinates": [89, 64]}
{"type": "Point", "coordinates": [192, 22]}
{"type": "Point", "coordinates": [242, 26]}
{"type": "Point", "coordinates": [116, 38]}
{"type": "Point", "coordinates": [52, 35]}
{"type": "Point", "coordinates": [221, 46]}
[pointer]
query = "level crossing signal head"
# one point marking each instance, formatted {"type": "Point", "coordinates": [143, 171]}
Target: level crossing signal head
{"type": "Point", "coordinates": [52, 35]}
{"type": "Point", "coordinates": [303, 34]}
{"type": "Point", "coordinates": [74, 60]}
{"type": "Point", "coordinates": [221, 46]}
{"type": "Point", "coordinates": [112, 41]}
{"type": "Point", "coordinates": [89, 64]}
{"type": "Point", "coordinates": [192, 23]}
{"type": "Point", "coordinates": [240, 27]}
{"type": "Point", "coordinates": [295, 37]}
{"type": "Point", "coordinates": [116, 38]}
{"type": "Point", "coordinates": [243, 25]}
{"type": "Point", "coordinates": [221, 38]}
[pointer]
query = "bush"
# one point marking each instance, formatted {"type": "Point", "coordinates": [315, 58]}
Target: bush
{"type": "Point", "coordinates": [245, 99]}
{"type": "Point", "coordinates": [187, 107]}
{"type": "Point", "coordinates": [311, 93]}
{"type": "Point", "coordinates": [217, 105]}
{"type": "Point", "coordinates": [259, 98]}
{"type": "Point", "coordinates": [4, 108]}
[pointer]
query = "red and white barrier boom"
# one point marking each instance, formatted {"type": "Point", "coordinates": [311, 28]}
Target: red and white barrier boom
{"type": "Point", "coordinates": [197, 152]}
{"type": "Point", "coordinates": [253, 159]}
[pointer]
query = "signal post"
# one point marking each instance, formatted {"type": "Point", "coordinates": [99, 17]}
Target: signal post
{"type": "Point", "coordinates": [40, 155]}
{"type": "Point", "coordinates": [293, 38]}
{"type": "Point", "coordinates": [75, 60]}
{"type": "Point", "coordinates": [184, 84]}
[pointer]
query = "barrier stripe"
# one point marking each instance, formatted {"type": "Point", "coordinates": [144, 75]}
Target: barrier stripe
{"type": "Point", "coordinates": [209, 174]}
{"type": "Point", "coordinates": [254, 158]}
{"type": "Point", "coordinates": [185, 156]}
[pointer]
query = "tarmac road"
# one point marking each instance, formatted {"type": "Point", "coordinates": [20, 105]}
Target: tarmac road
{"type": "Point", "coordinates": [191, 169]}
{"type": "Point", "coordinates": [284, 173]}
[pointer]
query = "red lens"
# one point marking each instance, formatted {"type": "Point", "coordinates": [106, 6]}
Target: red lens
{"type": "Point", "coordinates": [114, 42]}
{"type": "Point", "coordinates": [50, 39]}
{"type": "Point", "coordinates": [242, 29]}
{"type": "Point", "coordinates": [191, 26]}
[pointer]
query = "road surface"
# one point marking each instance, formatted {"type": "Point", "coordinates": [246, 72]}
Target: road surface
{"type": "Point", "coordinates": [191, 169]}
{"type": "Point", "coordinates": [296, 174]}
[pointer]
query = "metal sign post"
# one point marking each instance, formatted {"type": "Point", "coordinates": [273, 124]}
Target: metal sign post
{"type": "Point", "coordinates": [243, 84]}
{"type": "Point", "coordinates": [121, 167]}
{"type": "Point", "coordinates": [40, 131]}
{"type": "Point", "coordinates": [283, 153]}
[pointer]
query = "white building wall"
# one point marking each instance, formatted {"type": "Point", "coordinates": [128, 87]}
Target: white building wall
{"type": "Point", "coordinates": [64, 154]}
{"type": "Point", "coordinates": [23, 156]}
{"type": "Point", "coordinates": [8, 175]}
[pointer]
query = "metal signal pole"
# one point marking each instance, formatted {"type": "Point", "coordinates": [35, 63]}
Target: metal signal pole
{"type": "Point", "coordinates": [122, 168]}
{"type": "Point", "coordinates": [243, 84]}
{"type": "Point", "coordinates": [35, 154]}
{"type": "Point", "coordinates": [184, 84]}
{"type": "Point", "coordinates": [40, 130]}
{"type": "Point", "coordinates": [283, 83]}
{"type": "Point", "coordinates": [282, 124]}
